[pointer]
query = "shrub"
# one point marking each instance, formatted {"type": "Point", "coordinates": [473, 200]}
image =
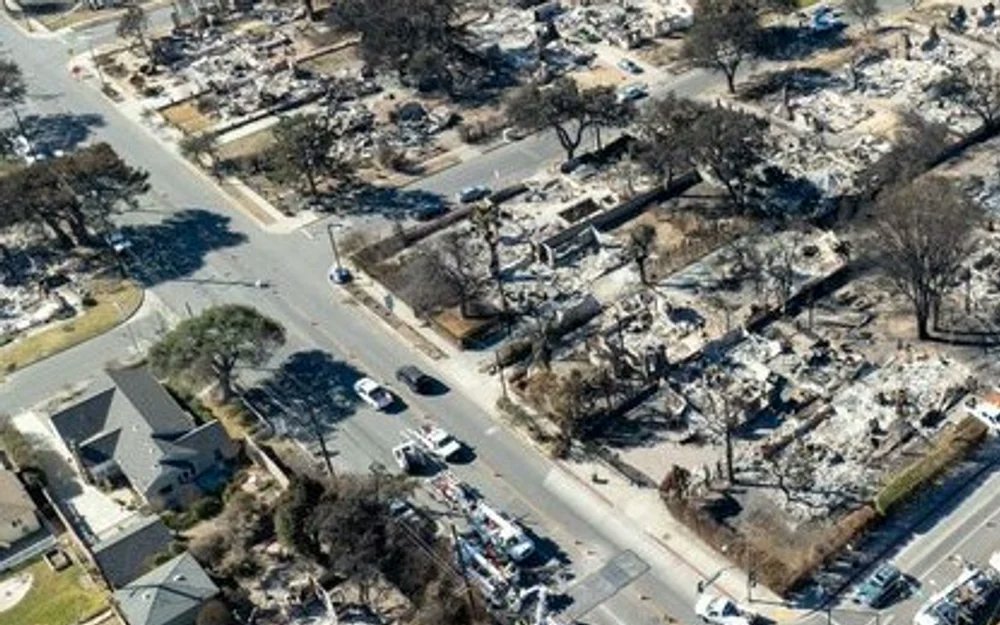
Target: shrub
{"type": "Point", "coordinates": [950, 447]}
{"type": "Point", "coordinates": [206, 508]}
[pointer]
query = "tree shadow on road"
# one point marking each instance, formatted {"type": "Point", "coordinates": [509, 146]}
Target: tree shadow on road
{"type": "Point", "coordinates": [309, 389]}
{"type": "Point", "coordinates": [62, 132]}
{"type": "Point", "coordinates": [782, 42]}
{"type": "Point", "coordinates": [177, 246]}
{"type": "Point", "coordinates": [390, 202]}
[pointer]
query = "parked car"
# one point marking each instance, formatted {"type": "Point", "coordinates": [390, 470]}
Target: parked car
{"type": "Point", "coordinates": [722, 611]}
{"type": "Point", "coordinates": [879, 588]}
{"type": "Point", "coordinates": [425, 211]}
{"type": "Point", "coordinates": [635, 91]}
{"type": "Point", "coordinates": [511, 135]}
{"type": "Point", "coordinates": [436, 441]}
{"type": "Point", "coordinates": [629, 66]}
{"type": "Point", "coordinates": [339, 275]}
{"type": "Point", "coordinates": [473, 194]}
{"type": "Point", "coordinates": [415, 379]}
{"type": "Point", "coordinates": [409, 457]}
{"type": "Point", "coordinates": [118, 241]}
{"type": "Point", "coordinates": [373, 394]}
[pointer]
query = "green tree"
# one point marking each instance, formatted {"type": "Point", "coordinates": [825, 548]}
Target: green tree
{"type": "Point", "coordinates": [74, 195]}
{"type": "Point", "coordinates": [292, 514]}
{"type": "Point", "coordinates": [100, 184]}
{"type": "Point", "coordinates": [724, 34]}
{"type": "Point", "coordinates": [214, 612]}
{"type": "Point", "coordinates": [303, 150]}
{"type": "Point", "coordinates": [209, 346]}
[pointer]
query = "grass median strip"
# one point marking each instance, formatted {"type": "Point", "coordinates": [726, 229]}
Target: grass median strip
{"type": "Point", "coordinates": [115, 301]}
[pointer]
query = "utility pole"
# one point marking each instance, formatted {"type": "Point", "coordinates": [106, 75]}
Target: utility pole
{"type": "Point", "coordinates": [310, 417]}
{"type": "Point", "coordinates": [503, 382]}
{"type": "Point", "coordinates": [97, 66]}
{"type": "Point", "coordinates": [333, 246]}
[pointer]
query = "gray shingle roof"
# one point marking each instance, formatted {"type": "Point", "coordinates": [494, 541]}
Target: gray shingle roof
{"type": "Point", "coordinates": [126, 555]}
{"type": "Point", "coordinates": [14, 500]}
{"type": "Point", "coordinates": [137, 423]}
{"type": "Point", "coordinates": [169, 594]}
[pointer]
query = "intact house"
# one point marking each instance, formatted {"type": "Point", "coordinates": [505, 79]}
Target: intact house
{"type": "Point", "coordinates": [130, 551]}
{"type": "Point", "coordinates": [171, 594]}
{"type": "Point", "coordinates": [17, 511]}
{"type": "Point", "coordinates": [134, 431]}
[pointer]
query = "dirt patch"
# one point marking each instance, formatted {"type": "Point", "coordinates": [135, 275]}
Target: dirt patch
{"type": "Point", "coordinates": [13, 590]}
{"type": "Point", "coordinates": [600, 76]}
{"type": "Point", "coordinates": [247, 145]}
{"type": "Point", "coordinates": [186, 117]}
{"type": "Point", "coordinates": [332, 63]}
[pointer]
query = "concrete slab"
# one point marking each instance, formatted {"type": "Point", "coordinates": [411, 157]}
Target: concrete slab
{"type": "Point", "coordinates": [604, 583]}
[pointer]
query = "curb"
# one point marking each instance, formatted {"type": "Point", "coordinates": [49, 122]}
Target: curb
{"type": "Point", "coordinates": [5, 375]}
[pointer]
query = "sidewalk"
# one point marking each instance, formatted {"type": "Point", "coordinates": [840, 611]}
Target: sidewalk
{"type": "Point", "coordinates": [641, 507]}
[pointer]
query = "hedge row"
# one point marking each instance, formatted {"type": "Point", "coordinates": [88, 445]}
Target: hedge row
{"type": "Point", "coordinates": [778, 566]}
{"type": "Point", "coordinates": [952, 446]}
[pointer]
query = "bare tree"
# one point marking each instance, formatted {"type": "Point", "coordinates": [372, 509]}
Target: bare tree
{"type": "Point", "coordinates": [724, 34]}
{"type": "Point", "coordinates": [486, 222]}
{"type": "Point", "coordinates": [304, 150]}
{"type": "Point", "coordinates": [641, 243]}
{"type": "Point", "coordinates": [730, 144]}
{"type": "Point", "coordinates": [566, 109]}
{"type": "Point", "coordinates": [458, 258]}
{"type": "Point", "coordinates": [864, 10]}
{"type": "Point", "coordinates": [923, 232]}
{"type": "Point", "coordinates": [664, 130]}
{"type": "Point", "coordinates": [720, 412]}
{"type": "Point", "coordinates": [976, 88]}
{"type": "Point", "coordinates": [12, 89]}
{"type": "Point", "coordinates": [134, 24]}
{"type": "Point", "coordinates": [918, 145]}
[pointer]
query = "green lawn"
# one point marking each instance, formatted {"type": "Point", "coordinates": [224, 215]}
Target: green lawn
{"type": "Point", "coordinates": [61, 598]}
{"type": "Point", "coordinates": [115, 302]}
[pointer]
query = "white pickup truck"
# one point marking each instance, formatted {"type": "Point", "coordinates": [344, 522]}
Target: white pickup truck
{"type": "Point", "coordinates": [435, 440]}
{"type": "Point", "coordinates": [722, 611]}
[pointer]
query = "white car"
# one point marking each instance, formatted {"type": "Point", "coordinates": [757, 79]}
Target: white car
{"type": "Point", "coordinates": [373, 394]}
{"type": "Point", "coordinates": [436, 441]}
{"type": "Point", "coordinates": [118, 241]}
{"type": "Point", "coordinates": [721, 611]}
{"type": "Point", "coordinates": [635, 91]}
{"type": "Point", "coordinates": [408, 456]}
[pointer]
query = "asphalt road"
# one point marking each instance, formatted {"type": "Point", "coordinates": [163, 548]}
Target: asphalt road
{"type": "Point", "coordinates": [194, 250]}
